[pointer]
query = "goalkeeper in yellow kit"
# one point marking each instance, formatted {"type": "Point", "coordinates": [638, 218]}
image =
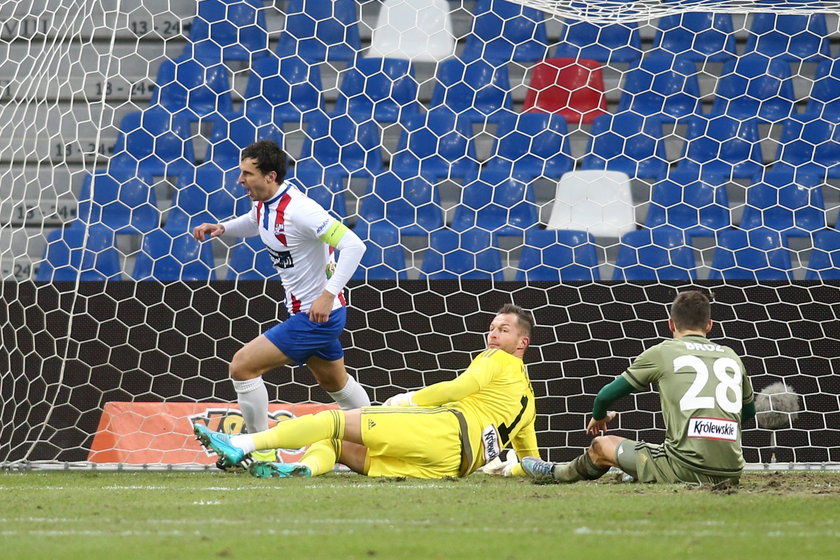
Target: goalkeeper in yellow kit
{"type": "Point", "coordinates": [447, 429]}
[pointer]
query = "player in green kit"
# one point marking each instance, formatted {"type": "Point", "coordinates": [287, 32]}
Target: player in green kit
{"type": "Point", "coordinates": [706, 397]}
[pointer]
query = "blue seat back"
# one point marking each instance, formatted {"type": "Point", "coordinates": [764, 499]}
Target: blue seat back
{"type": "Point", "coordinates": [384, 257]}
{"type": "Point", "coordinates": [229, 30]}
{"type": "Point", "coordinates": [558, 256]}
{"type": "Point", "coordinates": [756, 255]}
{"type": "Point", "coordinates": [123, 205]}
{"type": "Point", "coordinates": [76, 252]}
{"type": "Point", "coordinates": [321, 30]}
{"type": "Point", "coordinates": [503, 32]}
{"type": "Point", "coordinates": [463, 255]}
{"type": "Point", "coordinates": [789, 36]}
{"type": "Point", "coordinates": [628, 142]}
{"type": "Point", "coordinates": [436, 145]}
{"type": "Point", "coordinates": [472, 88]}
{"type": "Point", "coordinates": [193, 88]}
{"type": "Point", "coordinates": [755, 86]}
{"type": "Point", "coordinates": [824, 263]}
{"type": "Point", "coordinates": [383, 89]}
{"type": "Point", "coordinates": [250, 261]}
{"type": "Point", "coordinates": [496, 203]}
{"type": "Point", "coordinates": [286, 89]}
{"type": "Point", "coordinates": [530, 145]}
{"type": "Point", "coordinates": [171, 253]}
{"type": "Point", "coordinates": [787, 201]}
{"type": "Point", "coordinates": [610, 43]}
{"type": "Point", "coordinates": [664, 85]}
{"type": "Point", "coordinates": [412, 205]}
{"type": "Point", "coordinates": [689, 203]}
{"type": "Point", "coordinates": [721, 146]}
{"type": "Point", "coordinates": [658, 254]}
{"type": "Point", "coordinates": [697, 35]}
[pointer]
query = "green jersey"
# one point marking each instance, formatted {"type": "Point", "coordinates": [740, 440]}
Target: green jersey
{"type": "Point", "coordinates": [702, 387]}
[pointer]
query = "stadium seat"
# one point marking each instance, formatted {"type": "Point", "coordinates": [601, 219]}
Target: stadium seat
{"type": "Point", "coordinates": [476, 89]}
{"type": "Point", "coordinates": [436, 145]}
{"type": "Point", "coordinates": [383, 89]}
{"type": "Point", "coordinates": [212, 198]}
{"type": "Point", "coordinates": [192, 88]}
{"type": "Point", "coordinates": [503, 32]}
{"type": "Point", "coordinates": [689, 203]}
{"type": "Point", "coordinates": [788, 36]}
{"type": "Point", "coordinates": [282, 90]}
{"type": "Point", "coordinates": [321, 30]}
{"type": "Point", "coordinates": [417, 30]}
{"type": "Point", "coordinates": [699, 36]}
{"type": "Point", "coordinates": [558, 256]}
{"type": "Point", "coordinates": [721, 146]}
{"type": "Point", "coordinates": [571, 87]}
{"type": "Point", "coordinates": [664, 85]}
{"type": "Point", "coordinates": [660, 254]}
{"type": "Point", "coordinates": [810, 144]}
{"type": "Point", "coordinates": [610, 43]}
{"type": "Point", "coordinates": [758, 255]}
{"type": "Point", "coordinates": [462, 255]}
{"type": "Point", "coordinates": [755, 86]}
{"type": "Point", "coordinates": [338, 145]}
{"type": "Point", "coordinates": [412, 205]}
{"type": "Point", "coordinates": [250, 261]}
{"type": "Point", "coordinates": [384, 258]}
{"type": "Point", "coordinates": [824, 263]}
{"type": "Point", "coordinates": [530, 145]}
{"type": "Point", "coordinates": [230, 134]}
{"type": "Point", "coordinates": [824, 101]}
{"type": "Point", "coordinates": [122, 205]}
{"type": "Point", "coordinates": [324, 186]}
{"type": "Point", "coordinates": [172, 253]}
{"type": "Point", "coordinates": [229, 30]}
{"type": "Point", "coordinates": [787, 201]}
{"type": "Point", "coordinates": [76, 252]}
{"type": "Point", "coordinates": [497, 203]}
{"type": "Point", "coordinates": [599, 202]}
{"type": "Point", "coordinates": [629, 143]}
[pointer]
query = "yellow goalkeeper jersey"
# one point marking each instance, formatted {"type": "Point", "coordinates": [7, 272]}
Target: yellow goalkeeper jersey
{"type": "Point", "coordinates": [495, 398]}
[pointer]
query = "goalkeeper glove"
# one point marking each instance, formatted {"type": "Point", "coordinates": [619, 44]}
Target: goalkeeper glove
{"type": "Point", "coordinates": [498, 467]}
{"type": "Point", "coordinates": [403, 399]}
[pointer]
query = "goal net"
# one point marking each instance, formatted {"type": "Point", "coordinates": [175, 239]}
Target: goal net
{"type": "Point", "coordinates": [584, 160]}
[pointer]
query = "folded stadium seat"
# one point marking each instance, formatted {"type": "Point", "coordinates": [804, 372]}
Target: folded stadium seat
{"type": "Point", "coordinates": [698, 206]}
{"type": "Point", "coordinates": [721, 146]}
{"type": "Point", "coordinates": [77, 252]}
{"type": "Point", "coordinates": [791, 37]}
{"type": "Point", "coordinates": [629, 143]}
{"type": "Point", "coordinates": [124, 205]}
{"type": "Point", "coordinates": [474, 89]}
{"type": "Point", "coordinates": [498, 203]}
{"type": "Point", "coordinates": [192, 88]}
{"type": "Point", "coordinates": [411, 205]}
{"type": "Point", "coordinates": [610, 43]}
{"type": "Point", "coordinates": [599, 202]}
{"type": "Point", "coordinates": [250, 261]}
{"type": "Point", "coordinates": [699, 36]}
{"type": "Point", "coordinates": [465, 255]}
{"type": "Point", "coordinates": [229, 30]}
{"type": "Point", "coordinates": [436, 145]}
{"type": "Point", "coordinates": [384, 257]}
{"type": "Point", "coordinates": [320, 30]}
{"type": "Point", "coordinates": [503, 32]}
{"type": "Point", "coordinates": [810, 144]}
{"type": "Point", "coordinates": [787, 201]}
{"type": "Point", "coordinates": [282, 90]}
{"type": "Point", "coordinates": [558, 256]}
{"type": "Point", "coordinates": [660, 254]}
{"type": "Point", "coordinates": [530, 145]}
{"type": "Point", "coordinates": [755, 86]}
{"type": "Point", "coordinates": [759, 255]}
{"type": "Point", "coordinates": [824, 263]}
{"type": "Point", "coordinates": [571, 87]}
{"type": "Point", "coordinates": [172, 253]}
{"type": "Point", "coordinates": [232, 133]}
{"type": "Point", "coordinates": [382, 89]}
{"type": "Point", "coordinates": [417, 30]}
{"type": "Point", "coordinates": [824, 101]}
{"type": "Point", "coordinates": [664, 85]}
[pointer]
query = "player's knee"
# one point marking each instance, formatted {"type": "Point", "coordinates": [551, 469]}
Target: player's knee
{"type": "Point", "coordinates": [597, 448]}
{"type": "Point", "coordinates": [238, 368]}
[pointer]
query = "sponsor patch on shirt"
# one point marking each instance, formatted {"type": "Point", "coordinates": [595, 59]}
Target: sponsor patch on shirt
{"type": "Point", "coordinates": [713, 428]}
{"type": "Point", "coordinates": [490, 438]}
{"type": "Point", "coordinates": [322, 228]}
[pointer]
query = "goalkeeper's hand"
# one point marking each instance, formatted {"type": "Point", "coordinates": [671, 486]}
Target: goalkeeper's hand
{"type": "Point", "coordinates": [498, 467]}
{"type": "Point", "coordinates": [403, 399]}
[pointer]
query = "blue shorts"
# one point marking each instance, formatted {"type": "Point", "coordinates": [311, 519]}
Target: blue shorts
{"type": "Point", "coordinates": [299, 338]}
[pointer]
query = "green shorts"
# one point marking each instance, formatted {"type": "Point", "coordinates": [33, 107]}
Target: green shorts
{"type": "Point", "coordinates": [649, 462]}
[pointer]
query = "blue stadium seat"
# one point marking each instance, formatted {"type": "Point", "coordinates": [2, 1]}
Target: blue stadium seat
{"type": "Point", "coordinates": [192, 88]}
{"type": "Point", "coordinates": [384, 258]}
{"type": "Point", "coordinates": [412, 205]}
{"type": "Point", "coordinates": [824, 263]}
{"type": "Point", "coordinates": [229, 30]}
{"type": "Point", "coordinates": [788, 36]}
{"type": "Point", "coordinates": [721, 146]}
{"type": "Point", "coordinates": [755, 86]}
{"type": "Point", "coordinates": [123, 205]}
{"type": "Point", "coordinates": [436, 145]}
{"type": "Point", "coordinates": [282, 90]}
{"type": "Point", "coordinates": [465, 255]}
{"type": "Point", "coordinates": [659, 254]}
{"type": "Point", "coordinates": [339, 145]}
{"type": "Point", "coordinates": [172, 253]}
{"type": "Point", "coordinates": [610, 43]}
{"type": "Point", "coordinates": [558, 256]}
{"type": "Point", "coordinates": [824, 101]}
{"type": "Point", "coordinates": [787, 201]}
{"type": "Point", "coordinates": [627, 142]}
{"type": "Point", "coordinates": [250, 261]}
{"type": "Point", "coordinates": [498, 203]}
{"type": "Point", "coordinates": [758, 255]}
{"type": "Point", "coordinates": [324, 187]}
{"type": "Point", "coordinates": [810, 144]}
{"type": "Point", "coordinates": [664, 85]}
{"type": "Point", "coordinates": [531, 145]}
{"type": "Point", "coordinates": [321, 30]}
{"type": "Point", "coordinates": [76, 252]}
{"type": "Point", "coordinates": [212, 198]}
{"type": "Point", "coordinates": [503, 32]}
{"type": "Point", "coordinates": [230, 134]}
{"type": "Point", "coordinates": [382, 89]}
{"type": "Point", "coordinates": [689, 203]}
{"type": "Point", "coordinates": [700, 36]}
{"type": "Point", "coordinates": [476, 89]}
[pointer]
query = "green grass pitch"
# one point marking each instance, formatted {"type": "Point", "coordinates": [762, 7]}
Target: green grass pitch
{"type": "Point", "coordinates": [183, 515]}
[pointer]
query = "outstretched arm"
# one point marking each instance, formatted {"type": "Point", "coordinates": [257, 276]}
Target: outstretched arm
{"type": "Point", "coordinates": [619, 387]}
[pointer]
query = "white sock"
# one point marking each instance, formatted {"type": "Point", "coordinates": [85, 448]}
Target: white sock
{"type": "Point", "coordinates": [244, 442]}
{"type": "Point", "coordinates": [352, 395]}
{"type": "Point", "coordinates": [253, 402]}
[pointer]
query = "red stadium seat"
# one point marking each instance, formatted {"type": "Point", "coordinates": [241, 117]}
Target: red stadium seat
{"type": "Point", "coordinates": [572, 87]}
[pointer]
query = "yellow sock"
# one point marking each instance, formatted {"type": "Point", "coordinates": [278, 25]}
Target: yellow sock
{"type": "Point", "coordinates": [322, 456]}
{"type": "Point", "coordinates": [304, 430]}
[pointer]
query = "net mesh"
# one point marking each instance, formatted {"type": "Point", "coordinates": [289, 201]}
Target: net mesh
{"type": "Point", "coordinates": [582, 160]}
